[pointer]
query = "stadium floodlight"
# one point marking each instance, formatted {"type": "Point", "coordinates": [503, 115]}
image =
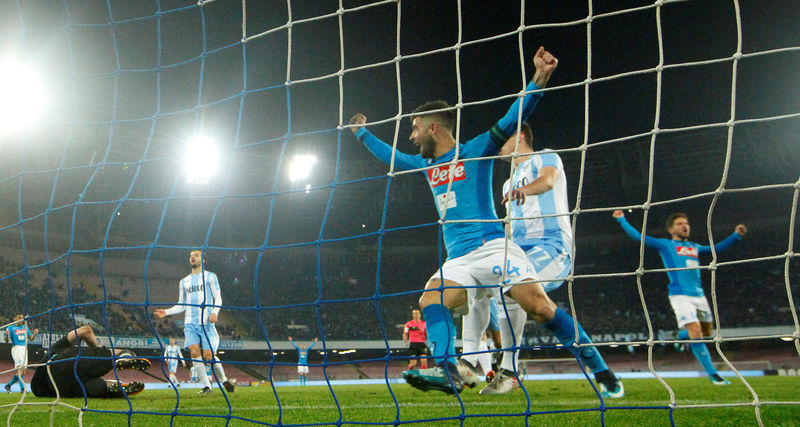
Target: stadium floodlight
{"type": "Point", "coordinates": [202, 157]}
{"type": "Point", "coordinates": [22, 97]}
{"type": "Point", "coordinates": [301, 165]}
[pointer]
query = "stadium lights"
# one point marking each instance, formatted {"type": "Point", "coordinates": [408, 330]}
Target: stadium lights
{"type": "Point", "coordinates": [300, 167]}
{"type": "Point", "coordinates": [201, 160]}
{"type": "Point", "coordinates": [22, 96]}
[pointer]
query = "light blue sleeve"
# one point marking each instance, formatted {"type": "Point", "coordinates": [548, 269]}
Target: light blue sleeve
{"type": "Point", "coordinates": [383, 152]}
{"type": "Point", "coordinates": [311, 346]}
{"type": "Point", "coordinates": [550, 159]}
{"type": "Point", "coordinates": [295, 345]}
{"type": "Point", "coordinates": [637, 235]}
{"type": "Point", "coordinates": [723, 245]}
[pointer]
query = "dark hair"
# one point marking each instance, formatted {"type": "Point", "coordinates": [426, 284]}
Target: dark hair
{"type": "Point", "coordinates": [527, 133]}
{"type": "Point", "coordinates": [446, 119]}
{"type": "Point", "coordinates": [671, 219]}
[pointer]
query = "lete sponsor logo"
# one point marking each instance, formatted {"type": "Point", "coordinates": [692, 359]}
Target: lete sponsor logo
{"type": "Point", "coordinates": [686, 251]}
{"type": "Point", "coordinates": [439, 175]}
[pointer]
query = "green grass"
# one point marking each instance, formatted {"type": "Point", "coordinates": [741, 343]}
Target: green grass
{"type": "Point", "coordinates": [574, 400]}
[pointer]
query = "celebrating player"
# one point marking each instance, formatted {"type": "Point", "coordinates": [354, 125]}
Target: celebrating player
{"type": "Point", "coordinates": [536, 199]}
{"type": "Point", "coordinates": [17, 333]}
{"type": "Point", "coordinates": [478, 257]}
{"type": "Point", "coordinates": [686, 294]}
{"type": "Point", "coordinates": [198, 324]}
{"type": "Point", "coordinates": [83, 373]}
{"type": "Point", "coordinates": [172, 353]}
{"type": "Point", "coordinates": [302, 359]}
{"type": "Point", "coordinates": [414, 336]}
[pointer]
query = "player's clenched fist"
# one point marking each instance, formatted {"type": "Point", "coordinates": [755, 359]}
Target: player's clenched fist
{"type": "Point", "coordinates": [359, 119]}
{"type": "Point", "coordinates": [617, 214]}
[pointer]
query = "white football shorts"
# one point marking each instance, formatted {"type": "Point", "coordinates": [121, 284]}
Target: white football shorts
{"type": "Point", "coordinates": [690, 309]}
{"type": "Point", "coordinates": [481, 270]}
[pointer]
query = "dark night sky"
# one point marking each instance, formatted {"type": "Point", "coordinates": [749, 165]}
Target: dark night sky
{"type": "Point", "coordinates": [99, 74]}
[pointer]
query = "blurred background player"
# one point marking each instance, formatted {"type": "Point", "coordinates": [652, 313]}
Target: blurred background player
{"type": "Point", "coordinates": [84, 372]}
{"type": "Point", "coordinates": [537, 192]}
{"type": "Point", "coordinates": [172, 354]}
{"type": "Point", "coordinates": [196, 292]}
{"type": "Point", "coordinates": [414, 337]}
{"type": "Point", "coordinates": [18, 334]}
{"type": "Point", "coordinates": [302, 359]}
{"type": "Point", "coordinates": [686, 295]}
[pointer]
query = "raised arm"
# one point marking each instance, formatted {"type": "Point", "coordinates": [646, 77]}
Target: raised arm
{"type": "Point", "coordinates": [33, 336]}
{"type": "Point", "coordinates": [545, 64]}
{"type": "Point", "coordinates": [737, 235]}
{"type": "Point", "coordinates": [381, 150]}
{"type": "Point", "coordinates": [634, 233]}
{"type": "Point", "coordinates": [312, 344]}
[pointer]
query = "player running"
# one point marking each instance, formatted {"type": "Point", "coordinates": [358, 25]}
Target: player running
{"type": "Point", "coordinates": [478, 256]}
{"type": "Point", "coordinates": [196, 292]}
{"type": "Point", "coordinates": [172, 354]}
{"type": "Point", "coordinates": [537, 192]}
{"type": "Point", "coordinates": [18, 334]}
{"type": "Point", "coordinates": [302, 359]}
{"type": "Point", "coordinates": [414, 337]}
{"type": "Point", "coordinates": [686, 294]}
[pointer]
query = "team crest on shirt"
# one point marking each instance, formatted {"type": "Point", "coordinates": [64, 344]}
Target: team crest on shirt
{"type": "Point", "coordinates": [686, 251]}
{"type": "Point", "coordinates": [440, 175]}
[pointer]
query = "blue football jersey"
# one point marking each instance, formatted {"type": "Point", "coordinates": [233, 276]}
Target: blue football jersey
{"type": "Point", "coordinates": [18, 334]}
{"type": "Point", "coordinates": [680, 254]}
{"type": "Point", "coordinates": [470, 195]}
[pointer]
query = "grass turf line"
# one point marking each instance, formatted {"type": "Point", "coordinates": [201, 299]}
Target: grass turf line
{"type": "Point", "coordinates": [551, 403]}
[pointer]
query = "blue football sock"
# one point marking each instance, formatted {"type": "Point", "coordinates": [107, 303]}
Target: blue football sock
{"type": "Point", "coordinates": [14, 379]}
{"type": "Point", "coordinates": [700, 352]}
{"type": "Point", "coordinates": [702, 355]}
{"type": "Point", "coordinates": [441, 332]}
{"type": "Point", "coordinates": [561, 325]}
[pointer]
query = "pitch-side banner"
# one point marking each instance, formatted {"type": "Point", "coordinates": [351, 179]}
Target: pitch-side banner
{"type": "Point", "coordinates": [46, 339]}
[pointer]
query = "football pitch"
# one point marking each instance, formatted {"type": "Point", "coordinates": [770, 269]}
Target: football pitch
{"type": "Point", "coordinates": [565, 402]}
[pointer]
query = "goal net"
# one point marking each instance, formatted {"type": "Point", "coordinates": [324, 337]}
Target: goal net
{"type": "Point", "coordinates": [134, 132]}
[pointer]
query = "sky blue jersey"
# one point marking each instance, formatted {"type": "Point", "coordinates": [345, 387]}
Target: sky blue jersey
{"type": "Point", "coordinates": [302, 355]}
{"type": "Point", "coordinates": [18, 334]}
{"type": "Point", "coordinates": [470, 197]}
{"type": "Point", "coordinates": [680, 254]}
{"type": "Point", "coordinates": [198, 290]}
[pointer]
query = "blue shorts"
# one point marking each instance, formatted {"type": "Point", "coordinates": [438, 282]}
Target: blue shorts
{"type": "Point", "coordinates": [173, 365]}
{"type": "Point", "coordinates": [550, 263]}
{"type": "Point", "coordinates": [201, 334]}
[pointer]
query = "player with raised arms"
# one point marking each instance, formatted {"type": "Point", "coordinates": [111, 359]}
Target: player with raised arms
{"type": "Point", "coordinates": [199, 297]}
{"type": "Point", "coordinates": [18, 334]}
{"type": "Point", "coordinates": [478, 256]}
{"type": "Point", "coordinates": [686, 295]}
{"type": "Point", "coordinates": [302, 359]}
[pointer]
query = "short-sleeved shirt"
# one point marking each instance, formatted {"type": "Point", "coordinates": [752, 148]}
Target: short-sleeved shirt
{"type": "Point", "coordinates": [18, 334]}
{"type": "Point", "coordinates": [416, 331]}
